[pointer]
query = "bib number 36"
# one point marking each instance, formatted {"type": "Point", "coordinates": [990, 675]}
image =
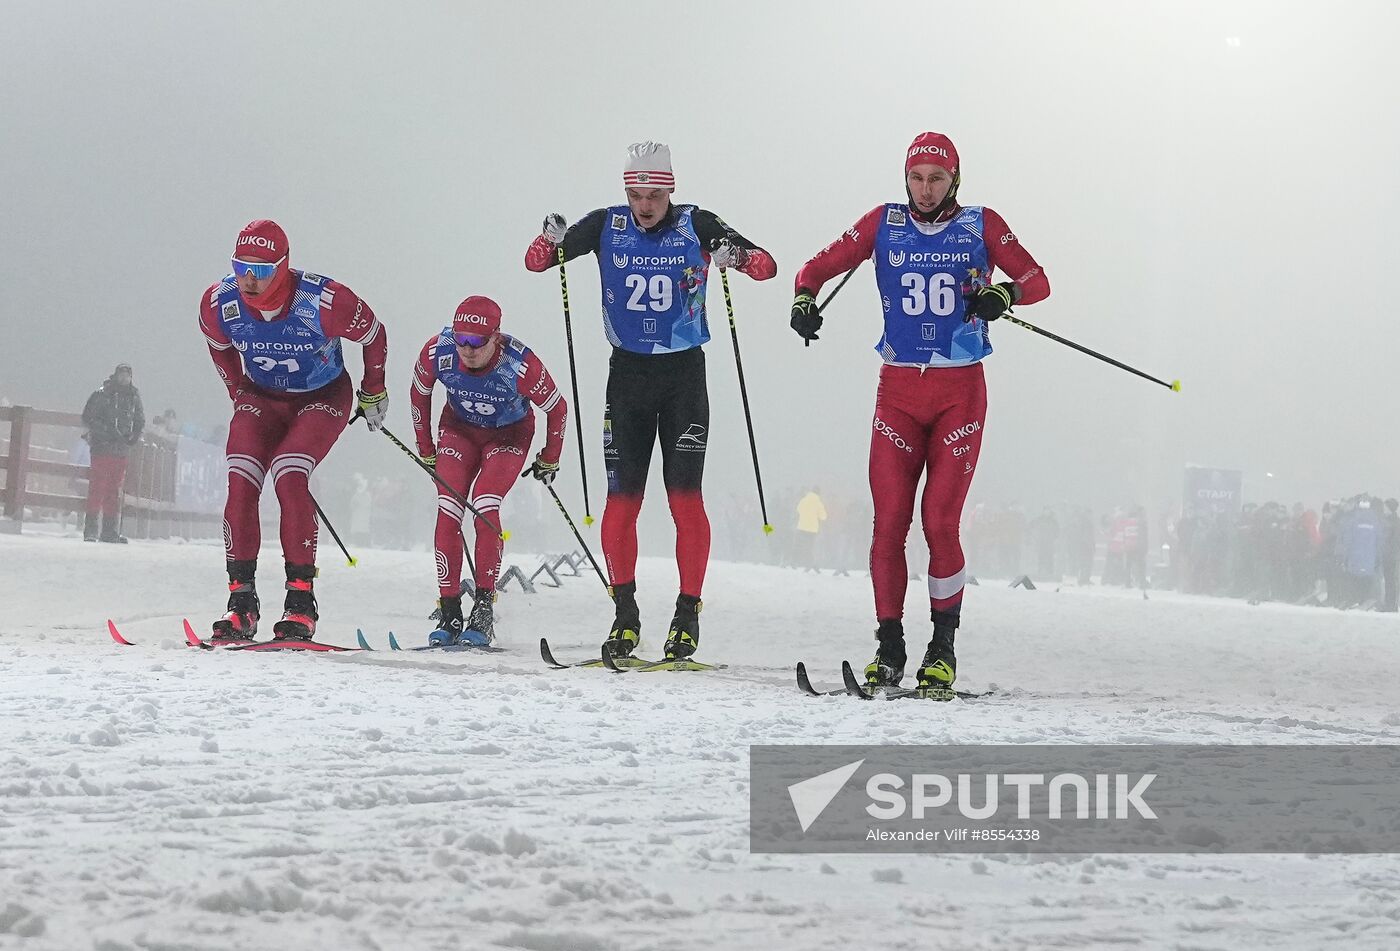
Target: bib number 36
{"type": "Point", "coordinates": [935, 294]}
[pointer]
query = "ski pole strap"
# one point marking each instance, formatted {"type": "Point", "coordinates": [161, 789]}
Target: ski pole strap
{"type": "Point", "coordinates": [1174, 385]}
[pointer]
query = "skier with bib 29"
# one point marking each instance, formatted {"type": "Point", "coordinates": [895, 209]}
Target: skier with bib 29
{"type": "Point", "coordinates": [654, 259]}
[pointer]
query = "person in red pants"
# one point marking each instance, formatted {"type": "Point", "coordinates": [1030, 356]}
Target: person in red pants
{"type": "Point", "coordinates": [934, 260]}
{"type": "Point", "coordinates": [275, 335]}
{"type": "Point", "coordinates": [654, 259]}
{"type": "Point", "coordinates": [114, 419]}
{"type": "Point", "coordinates": [491, 380]}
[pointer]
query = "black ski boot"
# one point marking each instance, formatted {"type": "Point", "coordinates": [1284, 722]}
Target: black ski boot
{"type": "Point", "coordinates": [90, 529]}
{"type": "Point", "coordinates": [240, 624]}
{"type": "Point", "coordinates": [299, 609]}
{"type": "Point", "coordinates": [684, 635]}
{"type": "Point", "coordinates": [887, 669]}
{"type": "Point", "coordinates": [480, 628]}
{"type": "Point", "coordinates": [449, 618]}
{"type": "Point", "coordinates": [940, 667]}
{"type": "Point", "coordinates": [109, 530]}
{"type": "Point", "coordinates": [626, 631]}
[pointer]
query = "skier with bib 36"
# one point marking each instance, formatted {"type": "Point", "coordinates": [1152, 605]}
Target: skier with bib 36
{"type": "Point", "coordinates": [933, 260]}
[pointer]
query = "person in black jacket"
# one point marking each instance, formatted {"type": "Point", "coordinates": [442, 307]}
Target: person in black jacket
{"type": "Point", "coordinates": [114, 419]}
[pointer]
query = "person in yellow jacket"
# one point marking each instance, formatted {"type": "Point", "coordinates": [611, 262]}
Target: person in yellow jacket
{"type": "Point", "coordinates": [810, 515]}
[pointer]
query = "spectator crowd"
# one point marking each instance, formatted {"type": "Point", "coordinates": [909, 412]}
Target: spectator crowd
{"type": "Point", "coordinates": [1345, 556]}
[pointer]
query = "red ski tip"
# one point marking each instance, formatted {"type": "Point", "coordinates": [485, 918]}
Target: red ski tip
{"type": "Point", "coordinates": [191, 638]}
{"type": "Point", "coordinates": [117, 635]}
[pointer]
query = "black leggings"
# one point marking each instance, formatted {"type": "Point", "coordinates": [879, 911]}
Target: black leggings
{"type": "Point", "coordinates": [649, 395]}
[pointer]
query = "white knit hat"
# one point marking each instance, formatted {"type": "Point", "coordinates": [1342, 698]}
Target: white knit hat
{"type": "Point", "coordinates": [648, 166]}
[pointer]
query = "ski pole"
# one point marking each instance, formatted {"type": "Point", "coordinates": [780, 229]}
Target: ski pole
{"type": "Point", "coordinates": [834, 291]}
{"type": "Point", "coordinates": [1174, 385]}
{"type": "Point", "coordinates": [331, 528]}
{"type": "Point", "coordinates": [466, 549]}
{"type": "Point", "coordinates": [445, 487]}
{"type": "Point", "coordinates": [744, 397]}
{"type": "Point", "coordinates": [573, 528]}
{"type": "Point", "coordinates": [573, 379]}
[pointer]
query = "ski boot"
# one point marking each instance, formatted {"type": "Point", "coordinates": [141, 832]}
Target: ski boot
{"type": "Point", "coordinates": [940, 667]}
{"type": "Point", "coordinates": [626, 631]}
{"type": "Point", "coordinates": [684, 636]}
{"type": "Point", "coordinates": [90, 529]}
{"type": "Point", "coordinates": [240, 624]}
{"type": "Point", "coordinates": [449, 618]}
{"type": "Point", "coordinates": [299, 609]}
{"type": "Point", "coordinates": [480, 627]}
{"type": "Point", "coordinates": [110, 534]}
{"type": "Point", "coordinates": [465, 589]}
{"type": "Point", "coordinates": [887, 669]}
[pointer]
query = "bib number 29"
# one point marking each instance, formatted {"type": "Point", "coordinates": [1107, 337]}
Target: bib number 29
{"type": "Point", "coordinates": [929, 294]}
{"type": "Point", "coordinates": [655, 293]}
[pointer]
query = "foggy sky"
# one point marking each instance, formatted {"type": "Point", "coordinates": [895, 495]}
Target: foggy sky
{"type": "Point", "coordinates": [1209, 186]}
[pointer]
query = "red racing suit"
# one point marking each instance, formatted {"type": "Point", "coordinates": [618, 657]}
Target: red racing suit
{"type": "Point", "coordinates": [927, 419]}
{"type": "Point", "coordinates": [481, 463]}
{"type": "Point", "coordinates": [286, 434]}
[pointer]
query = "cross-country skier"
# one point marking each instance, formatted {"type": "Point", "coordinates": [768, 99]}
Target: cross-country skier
{"type": "Point", "coordinates": [654, 260]}
{"type": "Point", "coordinates": [274, 333]}
{"type": "Point", "coordinates": [485, 431]}
{"type": "Point", "coordinates": [933, 266]}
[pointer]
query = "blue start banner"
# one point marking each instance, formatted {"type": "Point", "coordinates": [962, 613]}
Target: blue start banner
{"type": "Point", "coordinates": [1212, 491]}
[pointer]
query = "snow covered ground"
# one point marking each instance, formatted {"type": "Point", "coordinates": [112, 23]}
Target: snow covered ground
{"type": "Point", "coordinates": [155, 797]}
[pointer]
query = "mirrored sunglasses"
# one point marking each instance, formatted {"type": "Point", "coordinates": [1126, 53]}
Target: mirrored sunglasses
{"type": "Point", "coordinates": [258, 269]}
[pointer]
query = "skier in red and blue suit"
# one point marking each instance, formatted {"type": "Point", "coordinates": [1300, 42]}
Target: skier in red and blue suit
{"type": "Point", "coordinates": [275, 334]}
{"type": "Point", "coordinates": [491, 380]}
{"type": "Point", "coordinates": [933, 261]}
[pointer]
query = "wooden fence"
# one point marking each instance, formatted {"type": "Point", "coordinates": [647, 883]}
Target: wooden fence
{"type": "Point", "coordinates": [35, 479]}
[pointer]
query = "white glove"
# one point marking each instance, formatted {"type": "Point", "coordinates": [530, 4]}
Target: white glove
{"type": "Point", "coordinates": [555, 228]}
{"type": "Point", "coordinates": [724, 254]}
{"type": "Point", "coordinates": [374, 407]}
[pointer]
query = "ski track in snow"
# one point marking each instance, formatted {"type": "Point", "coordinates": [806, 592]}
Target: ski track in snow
{"type": "Point", "coordinates": [156, 797]}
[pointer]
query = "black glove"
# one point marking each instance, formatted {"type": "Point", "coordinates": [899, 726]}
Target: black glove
{"type": "Point", "coordinates": [541, 470]}
{"type": "Point", "coordinates": [992, 301]}
{"type": "Point", "coordinates": [806, 318]}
